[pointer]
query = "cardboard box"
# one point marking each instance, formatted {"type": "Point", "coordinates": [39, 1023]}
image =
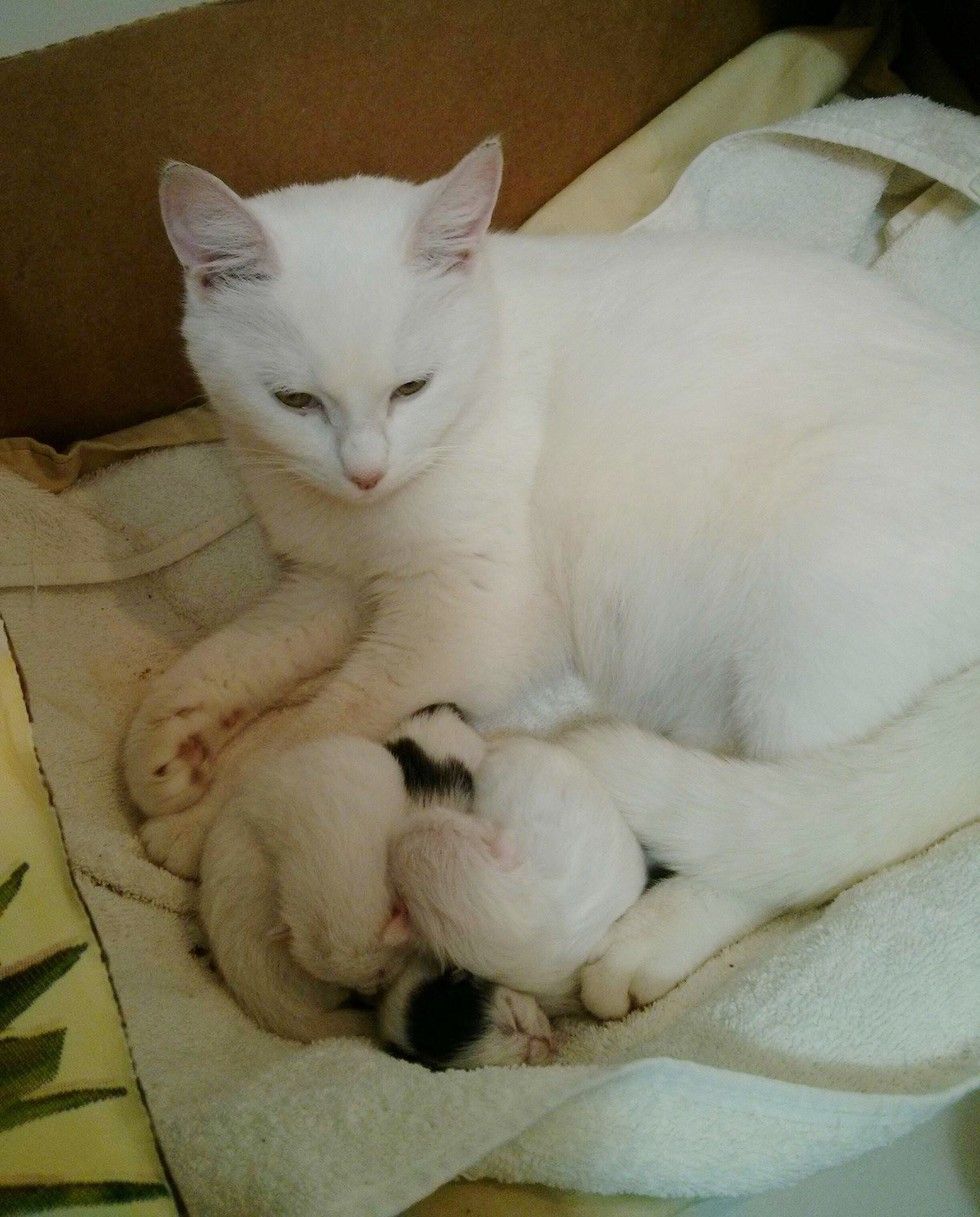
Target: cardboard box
{"type": "Point", "coordinates": [268, 92]}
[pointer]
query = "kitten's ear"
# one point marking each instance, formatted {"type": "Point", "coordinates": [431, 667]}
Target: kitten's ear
{"type": "Point", "coordinates": [457, 216]}
{"type": "Point", "coordinates": [212, 231]}
{"type": "Point", "coordinates": [398, 929]}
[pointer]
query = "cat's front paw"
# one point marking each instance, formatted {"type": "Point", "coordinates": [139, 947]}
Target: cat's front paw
{"type": "Point", "coordinates": [173, 742]}
{"type": "Point", "coordinates": [176, 842]}
{"type": "Point", "coordinates": [626, 974]}
{"type": "Point", "coordinates": [649, 950]}
{"type": "Point", "coordinates": [666, 935]}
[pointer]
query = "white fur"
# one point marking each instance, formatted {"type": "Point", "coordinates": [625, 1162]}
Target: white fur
{"type": "Point", "coordinates": [734, 486]}
{"type": "Point", "coordinates": [523, 889]}
{"type": "Point", "coordinates": [239, 910]}
{"type": "Point", "coordinates": [294, 894]}
{"type": "Point", "coordinates": [300, 905]}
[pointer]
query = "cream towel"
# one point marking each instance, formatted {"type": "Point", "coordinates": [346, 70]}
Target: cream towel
{"type": "Point", "coordinates": [813, 1040]}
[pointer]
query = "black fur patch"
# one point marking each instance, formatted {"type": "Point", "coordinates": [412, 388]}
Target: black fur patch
{"type": "Point", "coordinates": [656, 873]}
{"type": "Point", "coordinates": [357, 1001]}
{"type": "Point", "coordinates": [446, 1015]}
{"type": "Point", "coordinates": [427, 780]}
{"type": "Point", "coordinates": [428, 711]}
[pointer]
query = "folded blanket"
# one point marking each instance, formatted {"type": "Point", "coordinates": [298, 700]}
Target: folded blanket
{"type": "Point", "coordinates": [819, 1037]}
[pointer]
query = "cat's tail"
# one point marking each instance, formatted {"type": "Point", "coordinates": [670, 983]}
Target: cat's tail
{"type": "Point", "coordinates": [239, 911]}
{"type": "Point", "coordinates": [795, 831]}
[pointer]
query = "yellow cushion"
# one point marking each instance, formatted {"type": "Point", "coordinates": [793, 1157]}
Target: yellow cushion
{"type": "Point", "coordinates": [66, 1046]}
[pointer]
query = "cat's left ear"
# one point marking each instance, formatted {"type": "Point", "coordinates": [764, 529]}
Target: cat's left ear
{"type": "Point", "coordinates": [212, 231]}
{"type": "Point", "coordinates": [457, 216]}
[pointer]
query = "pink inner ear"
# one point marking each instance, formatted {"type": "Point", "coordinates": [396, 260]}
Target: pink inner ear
{"type": "Point", "coordinates": [210, 228]}
{"type": "Point", "coordinates": [503, 850]}
{"type": "Point", "coordinates": [398, 928]}
{"type": "Point", "coordinates": [455, 221]}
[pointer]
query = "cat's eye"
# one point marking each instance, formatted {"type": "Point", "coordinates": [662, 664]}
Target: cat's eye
{"type": "Point", "coordinates": [411, 387]}
{"type": "Point", "coordinates": [297, 401]}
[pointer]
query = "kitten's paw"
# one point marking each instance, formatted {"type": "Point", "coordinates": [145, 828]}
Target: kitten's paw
{"type": "Point", "coordinates": [527, 1026]}
{"type": "Point", "coordinates": [173, 742]}
{"type": "Point", "coordinates": [519, 1032]}
{"type": "Point", "coordinates": [175, 842]}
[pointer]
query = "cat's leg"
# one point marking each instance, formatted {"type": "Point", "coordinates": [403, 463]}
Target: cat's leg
{"type": "Point", "coordinates": [190, 712]}
{"type": "Point", "coordinates": [446, 638]}
{"type": "Point", "coordinates": [768, 836]}
{"type": "Point", "coordinates": [451, 1019]}
{"type": "Point", "coordinates": [671, 930]}
{"type": "Point", "coordinates": [796, 831]}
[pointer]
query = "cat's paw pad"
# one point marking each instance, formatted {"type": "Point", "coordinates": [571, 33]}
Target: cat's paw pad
{"type": "Point", "coordinates": [175, 842]}
{"type": "Point", "coordinates": [172, 745]}
{"type": "Point", "coordinates": [520, 1033]}
{"type": "Point", "coordinates": [628, 973]}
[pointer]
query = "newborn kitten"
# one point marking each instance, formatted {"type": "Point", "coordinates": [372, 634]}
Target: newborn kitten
{"type": "Point", "coordinates": [294, 897]}
{"type": "Point", "coordinates": [331, 858]}
{"type": "Point", "coordinates": [523, 888]}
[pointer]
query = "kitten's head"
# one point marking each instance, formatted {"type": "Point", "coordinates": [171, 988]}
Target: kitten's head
{"type": "Point", "coordinates": [346, 325]}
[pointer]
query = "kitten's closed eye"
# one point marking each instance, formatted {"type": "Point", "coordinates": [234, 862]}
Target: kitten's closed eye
{"type": "Point", "coordinates": [297, 401]}
{"type": "Point", "coordinates": [410, 387]}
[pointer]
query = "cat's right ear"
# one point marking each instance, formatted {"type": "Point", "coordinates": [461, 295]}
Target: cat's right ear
{"type": "Point", "coordinates": [457, 216]}
{"type": "Point", "coordinates": [213, 233]}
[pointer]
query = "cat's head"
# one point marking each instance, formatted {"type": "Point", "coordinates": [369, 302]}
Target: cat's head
{"type": "Point", "coordinates": [345, 325]}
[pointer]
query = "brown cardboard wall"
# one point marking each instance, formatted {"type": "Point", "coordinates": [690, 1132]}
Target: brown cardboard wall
{"type": "Point", "coordinates": [266, 92]}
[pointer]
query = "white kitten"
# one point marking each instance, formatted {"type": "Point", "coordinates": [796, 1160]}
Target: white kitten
{"type": "Point", "coordinates": [733, 485]}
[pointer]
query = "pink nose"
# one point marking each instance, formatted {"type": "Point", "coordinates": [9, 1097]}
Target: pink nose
{"type": "Point", "coordinates": [366, 481]}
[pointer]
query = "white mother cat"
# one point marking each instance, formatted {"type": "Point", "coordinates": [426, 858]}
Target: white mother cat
{"type": "Point", "coordinates": [734, 486]}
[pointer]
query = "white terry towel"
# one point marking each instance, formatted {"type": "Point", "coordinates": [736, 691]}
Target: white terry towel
{"type": "Point", "coordinates": [817, 1038]}
{"type": "Point", "coordinates": [892, 183]}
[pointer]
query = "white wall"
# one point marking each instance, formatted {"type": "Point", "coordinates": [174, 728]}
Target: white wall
{"type": "Point", "coordinates": [28, 24]}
